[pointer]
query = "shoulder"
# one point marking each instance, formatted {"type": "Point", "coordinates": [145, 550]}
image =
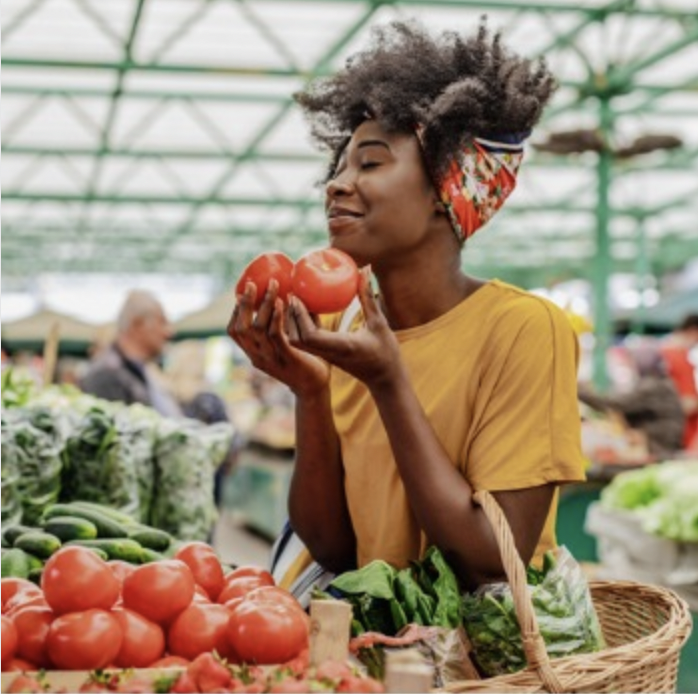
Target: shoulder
{"type": "Point", "coordinates": [517, 312]}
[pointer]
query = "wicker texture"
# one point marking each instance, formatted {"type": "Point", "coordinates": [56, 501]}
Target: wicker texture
{"type": "Point", "coordinates": [645, 628]}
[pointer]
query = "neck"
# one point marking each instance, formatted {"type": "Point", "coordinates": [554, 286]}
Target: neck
{"type": "Point", "coordinates": [131, 349]}
{"type": "Point", "coordinates": [410, 299]}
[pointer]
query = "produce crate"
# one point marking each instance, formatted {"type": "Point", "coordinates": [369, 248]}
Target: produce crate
{"type": "Point", "coordinates": [626, 551]}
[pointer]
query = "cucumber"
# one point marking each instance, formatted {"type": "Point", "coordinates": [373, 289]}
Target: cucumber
{"type": "Point", "coordinates": [15, 563]}
{"type": "Point", "coordinates": [114, 514]}
{"type": "Point", "coordinates": [38, 543]}
{"type": "Point", "coordinates": [152, 538]}
{"type": "Point", "coordinates": [106, 526]}
{"type": "Point", "coordinates": [67, 528]}
{"type": "Point", "coordinates": [148, 555]}
{"type": "Point", "coordinates": [115, 548]}
{"type": "Point", "coordinates": [35, 574]}
{"type": "Point", "coordinates": [11, 532]}
{"type": "Point", "coordinates": [99, 552]}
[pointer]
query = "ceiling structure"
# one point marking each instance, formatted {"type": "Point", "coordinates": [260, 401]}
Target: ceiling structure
{"type": "Point", "coordinates": [160, 135]}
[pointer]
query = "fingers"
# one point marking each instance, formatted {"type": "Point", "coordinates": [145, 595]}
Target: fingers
{"type": "Point", "coordinates": [368, 301]}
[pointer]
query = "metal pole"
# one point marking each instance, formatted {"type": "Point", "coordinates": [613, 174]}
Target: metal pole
{"type": "Point", "coordinates": [602, 266]}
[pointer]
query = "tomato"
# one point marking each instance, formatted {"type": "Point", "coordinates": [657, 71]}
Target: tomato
{"type": "Point", "coordinates": [199, 629]}
{"type": "Point", "coordinates": [325, 280]}
{"type": "Point", "coordinates": [209, 674]}
{"type": "Point", "coordinates": [273, 594]}
{"type": "Point", "coordinates": [120, 569]}
{"type": "Point", "coordinates": [160, 590]}
{"type": "Point", "coordinates": [14, 588]}
{"type": "Point", "coordinates": [84, 640]}
{"type": "Point", "coordinates": [9, 640]}
{"type": "Point", "coordinates": [32, 625]}
{"type": "Point", "coordinates": [204, 564]}
{"type": "Point", "coordinates": [76, 579]}
{"type": "Point", "coordinates": [200, 595]}
{"type": "Point", "coordinates": [169, 661]}
{"type": "Point", "coordinates": [266, 633]}
{"type": "Point", "coordinates": [143, 642]}
{"type": "Point", "coordinates": [19, 665]}
{"type": "Point", "coordinates": [26, 683]}
{"type": "Point", "coordinates": [265, 267]}
{"type": "Point", "coordinates": [240, 571]}
{"type": "Point", "coordinates": [184, 684]}
{"type": "Point", "coordinates": [23, 600]}
{"type": "Point", "coordinates": [239, 587]}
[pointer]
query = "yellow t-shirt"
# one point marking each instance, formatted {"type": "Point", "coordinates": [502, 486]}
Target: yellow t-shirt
{"type": "Point", "coordinates": [496, 377]}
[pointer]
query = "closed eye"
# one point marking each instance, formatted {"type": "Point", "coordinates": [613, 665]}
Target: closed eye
{"type": "Point", "coordinates": [369, 165]}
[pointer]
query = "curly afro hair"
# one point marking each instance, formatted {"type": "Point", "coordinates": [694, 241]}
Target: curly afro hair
{"type": "Point", "coordinates": [455, 87]}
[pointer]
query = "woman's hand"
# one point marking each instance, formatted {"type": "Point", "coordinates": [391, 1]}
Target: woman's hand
{"type": "Point", "coordinates": [370, 354]}
{"type": "Point", "coordinates": [263, 337]}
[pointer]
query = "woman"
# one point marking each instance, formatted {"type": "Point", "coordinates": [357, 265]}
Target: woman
{"type": "Point", "coordinates": [444, 383]}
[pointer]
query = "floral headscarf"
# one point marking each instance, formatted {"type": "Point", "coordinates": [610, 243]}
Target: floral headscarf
{"type": "Point", "coordinates": [474, 190]}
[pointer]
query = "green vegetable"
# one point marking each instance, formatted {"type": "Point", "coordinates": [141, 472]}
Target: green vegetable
{"type": "Point", "coordinates": [35, 574]}
{"type": "Point", "coordinates": [148, 555]}
{"type": "Point", "coordinates": [124, 549]}
{"type": "Point", "coordinates": [152, 538]}
{"type": "Point", "coordinates": [106, 527]}
{"type": "Point", "coordinates": [67, 528]}
{"type": "Point", "coordinates": [15, 563]}
{"type": "Point", "coordinates": [11, 532]}
{"type": "Point", "coordinates": [116, 515]}
{"type": "Point", "coordinates": [662, 496]}
{"type": "Point", "coordinates": [563, 607]}
{"type": "Point", "coordinates": [38, 543]}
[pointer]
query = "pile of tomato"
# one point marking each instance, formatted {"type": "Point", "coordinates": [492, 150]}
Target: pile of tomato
{"type": "Point", "coordinates": [91, 614]}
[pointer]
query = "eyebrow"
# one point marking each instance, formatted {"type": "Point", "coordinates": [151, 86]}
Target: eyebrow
{"type": "Point", "coordinates": [373, 143]}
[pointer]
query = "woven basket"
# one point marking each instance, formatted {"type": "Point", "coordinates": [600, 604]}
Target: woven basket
{"type": "Point", "coordinates": [645, 628]}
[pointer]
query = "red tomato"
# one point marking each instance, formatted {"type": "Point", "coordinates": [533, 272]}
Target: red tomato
{"type": "Point", "coordinates": [25, 683]}
{"type": "Point", "coordinates": [265, 633]}
{"type": "Point", "coordinates": [267, 266]}
{"type": "Point", "coordinates": [19, 665]}
{"type": "Point", "coordinates": [169, 661]}
{"type": "Point", "coordinates": [160, 590]}
{"type": "Point", "coordinates": [209, 674]}
{"type": "Point", "coordinates": [240, 571]}
{"type": "Point", "coordinates": [204, 564]}
{"type": "Point", "coordinates": [120, 569]}
{"type": "Point", "coordinates": [24, 599]}
{"type": "Point", "coordinates": [273, 594]}
{"type": "Point", "coordinates": [32, 625]}
{"type": "Point", "coordinates": [240, 587]}
{"type": "Point", "coordinates": [143, 642]}
{"type": "Point", "coordinates": [325, 280]}
{"type": "Point", "coordinates": [9, 640]}
{"type": "Point", "coordinates": [84, 640]}
{"type": "Point", "coordinates": [200, 595]}
{"type": "Point", "coordinates": [199, 629]}
{"type": "Point", "coordinates": [76, 579]}
{"type": "Point", "coordinates": [11, 587]}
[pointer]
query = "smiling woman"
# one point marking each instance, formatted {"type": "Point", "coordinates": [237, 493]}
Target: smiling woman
{"type": "Point", "coordinates": [443, 384]}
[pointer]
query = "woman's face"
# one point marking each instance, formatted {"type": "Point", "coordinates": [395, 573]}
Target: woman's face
{"type": "Point", "coordinates": [380, 202]}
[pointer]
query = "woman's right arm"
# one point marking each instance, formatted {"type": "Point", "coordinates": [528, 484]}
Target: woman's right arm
{"type": "Point", "coordinates": [317, 503]}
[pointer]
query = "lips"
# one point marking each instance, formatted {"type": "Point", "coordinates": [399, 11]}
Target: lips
{"type": "Point", "coordinates": [334, 212]}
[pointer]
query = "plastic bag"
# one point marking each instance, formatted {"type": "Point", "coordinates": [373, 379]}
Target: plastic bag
{"type": "Point", "coordinates": [563, 606]}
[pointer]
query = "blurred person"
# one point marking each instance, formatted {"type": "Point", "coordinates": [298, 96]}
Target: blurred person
{"type": "Point", "coordinates": [651, 406]}
{"type": "Point", "coordinates": [124, 371]}
{"type": "Point", "coordinates": [677, 353]}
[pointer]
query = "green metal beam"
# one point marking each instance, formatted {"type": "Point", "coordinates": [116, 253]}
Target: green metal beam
{"type": "Point", "coordinates": [603, 263]}
{"type": "Point", "coordinates": [105, 138]}
{"type": "Point", "coordinates": [295, 203]}
{"type": "Point", "coordinates": [674, 160]}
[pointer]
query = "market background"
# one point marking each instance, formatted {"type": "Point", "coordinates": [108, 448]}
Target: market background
{"type": "Point", "coordinates": [154, 144]}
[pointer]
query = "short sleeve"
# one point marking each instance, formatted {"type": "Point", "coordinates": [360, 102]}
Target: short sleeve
{"type": "Point", "coordinates": [528, 430]}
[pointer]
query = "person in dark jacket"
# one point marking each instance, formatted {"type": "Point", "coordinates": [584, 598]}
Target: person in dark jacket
{"type": "Point", "coordinates": [120, 372]}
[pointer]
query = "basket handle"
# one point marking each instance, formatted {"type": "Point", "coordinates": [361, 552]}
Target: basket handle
{"type": "Point", "coordinates": [533, 644]}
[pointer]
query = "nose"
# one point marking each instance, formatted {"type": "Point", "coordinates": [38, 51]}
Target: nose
{"type": "Point", "coordinates": [338, 186]}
